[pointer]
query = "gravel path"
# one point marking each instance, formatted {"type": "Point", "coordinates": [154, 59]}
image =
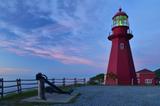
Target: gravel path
{"type": "Point", "coordinates": [117, 96]}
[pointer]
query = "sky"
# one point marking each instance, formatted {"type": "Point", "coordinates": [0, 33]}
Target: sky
{"type": "Point", "coordinates": [68, 38]}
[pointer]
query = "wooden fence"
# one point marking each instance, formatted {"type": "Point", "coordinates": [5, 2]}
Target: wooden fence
{"type": "Point", "coordinates": [20, 85]}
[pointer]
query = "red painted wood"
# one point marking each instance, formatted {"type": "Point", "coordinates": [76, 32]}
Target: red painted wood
{"type": "Point", "coordinates": [120, 60]}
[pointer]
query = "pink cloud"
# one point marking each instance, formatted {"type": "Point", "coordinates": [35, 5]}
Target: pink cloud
{"type": "Point", "coordinates": [5, 43]}
{"type": "Point", "coordinates": [17, 51]}
{"type": "Point", "coordinates": [57, 54]}
{"type": "Point", "coordinates": [12, 70]}
{"type": "Point", "coordinates": [71, 59]}
{"type": "Point", "coordinates": [29, 43]}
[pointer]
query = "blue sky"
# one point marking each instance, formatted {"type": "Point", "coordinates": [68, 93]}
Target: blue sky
{"type": "Point", "coordinates": [68, 38]}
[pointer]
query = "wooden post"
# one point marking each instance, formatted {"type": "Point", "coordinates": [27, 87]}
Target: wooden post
{"type": "Point", "coordinates": [19, 87]}
{"type": "Point", "coordinates": [105, 80]}
{"type": "Point", "coordinates": [41, 89]}
{"type": "Point", "coordinates": [63, 82]}
{"type": "Point", "coordinates": [75, 81]}
{"type": "Point", "coordinates": [53, 81]}
{"type": "Point", "coordinates": [132, 81]}
{"type": "Point", "coordinates": [84, 81]}
{"type": "Point", "coordinates": [17, 81]}
{"type": "Point", "coordinates": [2, 87]}
{"type": "Point", "coordinates": [41, 86]}
{"type": "Point", "coordinates": [99, 81]}
{"type": "Point", "coordinates": [116, 82]}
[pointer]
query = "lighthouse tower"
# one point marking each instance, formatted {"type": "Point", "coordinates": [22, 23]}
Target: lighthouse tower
{"type": "Point", "coordinates": [121, 70]}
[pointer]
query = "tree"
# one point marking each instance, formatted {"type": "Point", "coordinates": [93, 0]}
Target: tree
{"type": "Point", "coordinates": [111, 76]}
{"type": "Point", "coordinates": [157, 72]}
{"type": "Point", "coordinates": [98, 79]}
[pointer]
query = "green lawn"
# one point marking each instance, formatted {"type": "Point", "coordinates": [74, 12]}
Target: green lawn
{"type": "Point", "coordinates": [15, 99]}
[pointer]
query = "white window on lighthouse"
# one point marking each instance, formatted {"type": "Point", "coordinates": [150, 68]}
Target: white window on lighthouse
{"type": "Point", "coordinates": [121, 46]}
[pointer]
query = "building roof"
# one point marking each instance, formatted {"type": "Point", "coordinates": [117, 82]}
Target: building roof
{"type": "Point", "coordinates": [145, 71]}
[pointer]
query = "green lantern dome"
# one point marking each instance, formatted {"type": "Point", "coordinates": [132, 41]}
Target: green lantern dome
{"type": "Point", "coordinates": [120, 19]}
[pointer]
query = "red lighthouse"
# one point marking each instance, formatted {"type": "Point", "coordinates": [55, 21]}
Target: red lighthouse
{"type": "Point", "coordinates": [121, 70]}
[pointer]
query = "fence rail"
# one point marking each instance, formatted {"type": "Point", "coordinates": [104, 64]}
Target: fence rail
{"type": "Point", "coordinates": [20, 85]}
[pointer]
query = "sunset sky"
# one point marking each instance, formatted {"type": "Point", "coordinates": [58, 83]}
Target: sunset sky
{"type": "Point", "coordinates": [68, 38]}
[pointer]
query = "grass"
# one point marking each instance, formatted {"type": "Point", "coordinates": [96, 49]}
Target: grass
{"type": "Point", "coordinates": [15, 96]}
{"type": "Point", "coordinates": [15, 99]}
